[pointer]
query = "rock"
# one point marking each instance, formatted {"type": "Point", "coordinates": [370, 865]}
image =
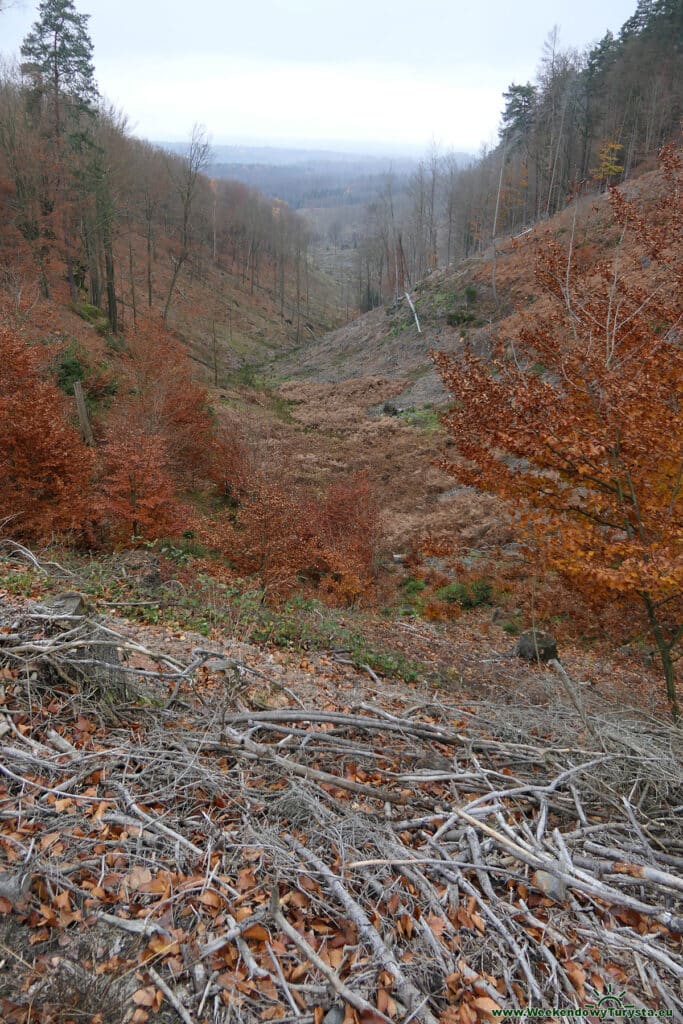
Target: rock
{"type": "Point", "coordinates": [15, 887]}
{"type": "Point", "coordinates": [534, 645]}
{"type": "Point", "coordinates": [335, 1015]}
{"type": "Point", "coordinates": [70, 603]}
{"type": "Point", "coordinates": [550, 885]}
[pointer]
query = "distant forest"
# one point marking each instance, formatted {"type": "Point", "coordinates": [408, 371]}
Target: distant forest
{"type": "Point", "coordinates": [323, 181]}
{"type": "Point", "coordinates": [586, 122]}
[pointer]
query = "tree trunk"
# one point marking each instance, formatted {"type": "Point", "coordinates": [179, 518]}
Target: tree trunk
{"type": "Point", "coordinates": [664, 651]}
{"type": "Point", "coordinates": [149, 264]}
{"type": "Point", "coordinates": [131, 271]}
{"type": "Point", "coordinates": [111, 285]}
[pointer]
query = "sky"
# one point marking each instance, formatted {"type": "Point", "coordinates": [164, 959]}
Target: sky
{"type": "Point", "coordinates": [381, 74]}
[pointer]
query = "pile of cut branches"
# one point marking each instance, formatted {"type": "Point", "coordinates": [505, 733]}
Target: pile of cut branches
{"type": "Point", "coordinates": [184, 856]}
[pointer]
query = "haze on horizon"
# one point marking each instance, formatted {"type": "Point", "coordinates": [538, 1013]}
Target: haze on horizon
{"type": "Point", "coordinates": [367, 75]}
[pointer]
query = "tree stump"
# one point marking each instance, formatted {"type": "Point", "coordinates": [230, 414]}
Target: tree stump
{"type": "Point", "coordinates": [535, 645]}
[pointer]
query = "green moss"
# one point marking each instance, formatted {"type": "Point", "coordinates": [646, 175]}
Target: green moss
{"type": "Point", "coordinates": [92, 315]}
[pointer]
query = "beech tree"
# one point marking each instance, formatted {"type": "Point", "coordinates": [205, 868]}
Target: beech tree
{"type": "Point", "coordinates": [580, 421]}
{"type": "Point", "coordinates": [45, 467]}
{"type": "Point", "coordinates": [167, 402]}
{"type": "Point", "coordinates": [138, 493]}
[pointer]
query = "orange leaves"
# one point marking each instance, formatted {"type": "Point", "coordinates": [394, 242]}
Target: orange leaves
{"type": "Point", "coordinates": [467, 917]}
{"type": "Point", "coordinates": [436, 924]}
{"type": "Point", "coordinates": [257, 932]}
{"type": "Point", "coordinates": [147, 998]}
{"type": "Point", "coordinates": [468, 1003]}
{"type": "Point", "coordinates": [44, 465]}
{"type": "Point", "coordinates": [285, 538]}
{"type": "Point", "coordinates": [230, 465]}
{"type": "Point", "coordinates": [166, 402]}
{"type": "Point", "coordinates": [137, 878]}
{"type": "Point", "coordinates": [370, 1017]}
{"type": "Point", "coordinates": [577, 976]}
{"type": "Point", "coordinates": [138, 493]}
{"type": "Point", "coordinates": [580, 420]}
{"type": "Point", "coordinates": [246, 880]}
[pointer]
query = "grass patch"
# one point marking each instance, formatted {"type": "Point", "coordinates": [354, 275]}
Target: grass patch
{"type": "Point", "coordinates": [513, 625]}
{"type": "Point", "coordinates": [282, 407]}
{"type": "Point", "coordinates": [250, 376]}
{"type": "Point", "coordinates": [424, 417]}
{"type": "Point", "coordinates": [92, 315]}
{"type": "Point", "coordinates": [238, 610]}
{"type": "Point", "coordinates": [21, 582]}
{"type": "Point", "coordinates": [246, 376]}
{"type": "Point", "coordinates": [173, 592]}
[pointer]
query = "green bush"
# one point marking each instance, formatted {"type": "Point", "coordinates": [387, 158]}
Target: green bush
{"type": "Point", "coordinates": [180, 550]}
{"type": "Point", "coordinates": [467, 595]}
{"type": "Point", "coordinates": [460, 317]}
{"type": "Point", "coordinates": [411, 586]}
{"type": "Point", "coordinates": [71, 367]}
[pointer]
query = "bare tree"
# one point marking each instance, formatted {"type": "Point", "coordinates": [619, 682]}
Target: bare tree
{"type": "Point", "coordinates": [186, 182]}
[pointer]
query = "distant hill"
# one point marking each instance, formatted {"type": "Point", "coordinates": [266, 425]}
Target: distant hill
{"type": "Point", "coordinates": [307, 178]}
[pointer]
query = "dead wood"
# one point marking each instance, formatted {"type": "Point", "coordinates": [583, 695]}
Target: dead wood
{"type": "Point", "coordinates": [269, 861]}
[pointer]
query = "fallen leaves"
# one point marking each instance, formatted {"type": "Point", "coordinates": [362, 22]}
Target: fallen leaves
{"type": "Point", "coordinates": [188, 862]}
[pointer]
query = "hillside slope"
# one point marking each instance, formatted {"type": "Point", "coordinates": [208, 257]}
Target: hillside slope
{"type": "Point", "coordinates": [457, 305]}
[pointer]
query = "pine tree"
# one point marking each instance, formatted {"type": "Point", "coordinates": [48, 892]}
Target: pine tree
{"type": "Point", "coordinates": [59, 53]}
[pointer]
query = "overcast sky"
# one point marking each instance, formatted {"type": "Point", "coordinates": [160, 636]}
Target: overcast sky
{"type": "Point", "coordinates": [322, 71]}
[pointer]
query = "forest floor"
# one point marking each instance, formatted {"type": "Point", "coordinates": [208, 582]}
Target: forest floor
{"type": "Point", "coordinates": [196, 827]}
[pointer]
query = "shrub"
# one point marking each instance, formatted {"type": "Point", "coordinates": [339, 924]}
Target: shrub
{"type": "Point", "coordinates": [411, 587]}
{"type": "Point", "coordinates": [71, 367]}
{"type": "Point", "coordinates": [170, 404]}
{"type": "Point", "coordinates": [231, 467]}
{"type": "Point", "coordinates": [44, 466]}
{"type": "Point", "coordinates": [285, 538]}
{"type": "Point", "coordinates": [137, 494]}
{"type": "Point", "coordinates": [467, 595]}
